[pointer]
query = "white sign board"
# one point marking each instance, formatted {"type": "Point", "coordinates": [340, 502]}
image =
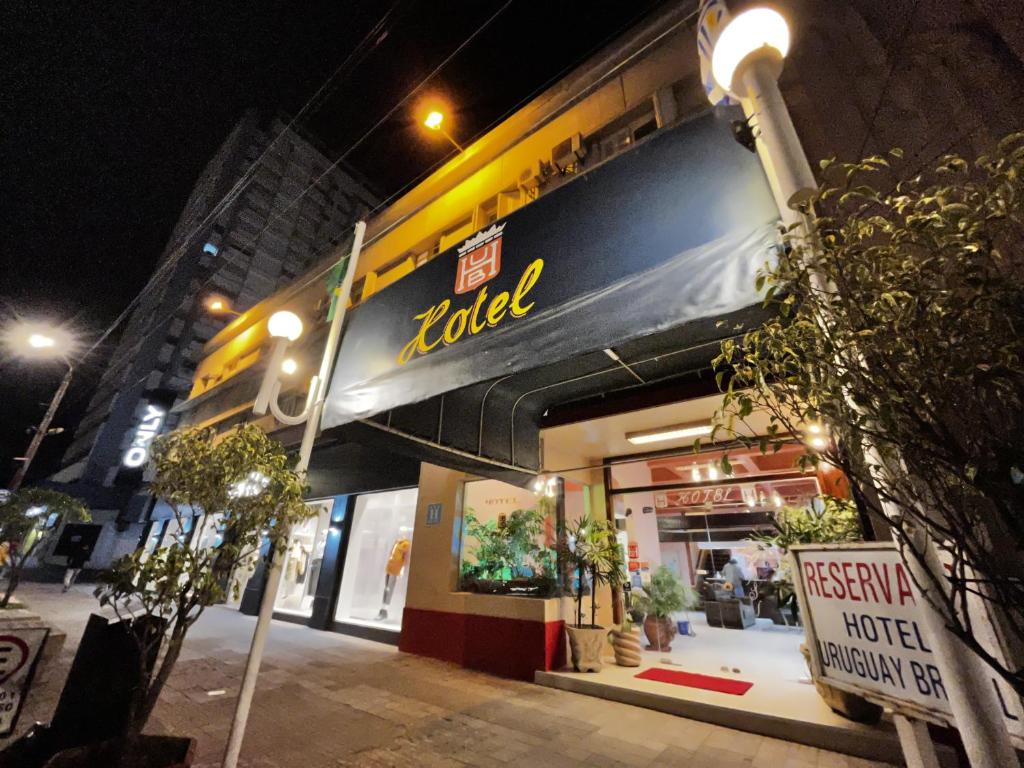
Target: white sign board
{"type": "Point", "coordinates": [866, 634]}
{"type": "Point", "coordinates": [19, 654]}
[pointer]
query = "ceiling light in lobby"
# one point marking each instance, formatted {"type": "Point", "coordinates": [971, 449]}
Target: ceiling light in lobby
{"type": "Point", "coordinates": [676, 432]}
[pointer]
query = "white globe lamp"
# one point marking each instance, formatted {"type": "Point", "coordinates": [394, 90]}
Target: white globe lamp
{"type": "Point", "coordinates": [757, 35]}
{"type": "Point", "coordinates": [285, 325]}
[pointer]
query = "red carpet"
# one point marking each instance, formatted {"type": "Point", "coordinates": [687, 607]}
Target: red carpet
{"type": "Point", "coordinates": [691, 680]}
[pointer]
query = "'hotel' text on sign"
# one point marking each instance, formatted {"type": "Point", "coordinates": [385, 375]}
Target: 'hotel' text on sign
{"type": "Point", "coordinates": [865, 617]}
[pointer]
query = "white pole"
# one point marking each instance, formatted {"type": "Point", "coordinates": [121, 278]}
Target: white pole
{"type": "Point", "coordinates": [967, 679]}
{"type": "Point", "coordinates": [918, 749]}
{"type": "Point", "coordinates": [972, 697]}
{"type": "Point", "coordinates": [259, 636]}
{"type": "Point", "coordinates": [778, 146]}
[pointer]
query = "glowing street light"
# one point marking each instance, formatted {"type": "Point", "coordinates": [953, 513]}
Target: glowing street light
{"type": "Point", "coordinates": [285, 325]}
{"type": "Point", "coordinates": [219, 306]}
{"type": "Point", "coordinates": [41, 341]}
{"type": "Point", "coordinates": [760, 34]}
{"type": "Point", "coordinates": [433, 121]}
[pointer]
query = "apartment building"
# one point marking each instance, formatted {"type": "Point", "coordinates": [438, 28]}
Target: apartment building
{"type": "Point", "coordinates": [219, 261]}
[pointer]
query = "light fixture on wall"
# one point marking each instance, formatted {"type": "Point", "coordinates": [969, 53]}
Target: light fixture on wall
{"type": "Point", "coordinates": [695, 473]}
{"type": "Point", "coordinates": [675, 432]}
{"type": "Point", "coordinates": [750, 497]}
{"type": "Point", "coordinates": [712, 471]}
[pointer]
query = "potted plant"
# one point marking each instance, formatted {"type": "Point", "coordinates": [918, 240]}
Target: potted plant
{"type": "Point", "coordinates": [624, 637]}
{"type": "Point", "coordinates": [591, 551]}
{"type": "Point", "coordinates": [245, 477]}
{"type": "Point", "coordinates": [664, 596]}
{"type": "Point", "coordinates": [23, 528]}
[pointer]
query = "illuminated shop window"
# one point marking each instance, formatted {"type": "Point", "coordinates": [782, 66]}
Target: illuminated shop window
{"type": "Point", "coordinates": [300, 568]}
{"type": "Point", "coordinates": [376, 575]}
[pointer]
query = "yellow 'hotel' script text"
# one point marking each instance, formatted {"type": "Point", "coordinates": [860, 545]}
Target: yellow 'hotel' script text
{"type": "Point", "coordinates": [473, 318]}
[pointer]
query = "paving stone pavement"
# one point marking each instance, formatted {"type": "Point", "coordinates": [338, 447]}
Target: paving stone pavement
{"type": "Point", "coordinates": [327, 701]}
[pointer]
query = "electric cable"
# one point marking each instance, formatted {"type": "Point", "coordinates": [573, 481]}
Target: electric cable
{"type": "Point", "coordinates": [372, 39]}
{"type": "Point", "coordinates": [321, 274]}
{"type": "Point", "coordinates": [382, 120]}
{"type": "Point", "coordinates": [533, 94]}
{"type": "Point", "coordinates": [154, 327]}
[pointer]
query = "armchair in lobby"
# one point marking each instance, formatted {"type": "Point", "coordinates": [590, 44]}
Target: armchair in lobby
{"type": "Point", "coordinates": [723, 609]}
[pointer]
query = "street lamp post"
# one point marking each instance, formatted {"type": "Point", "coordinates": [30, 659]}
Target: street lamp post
{"type": "Point", "coordinates": [41, 431]}
{"type": "Point", "coordinates": [40, 342]}
{"type": "Point", "coordinates": [285, 327]}
{"type": "Point", "coordinates": [745, 54]}
{"type": "Point", "coordinates": [434, 121]}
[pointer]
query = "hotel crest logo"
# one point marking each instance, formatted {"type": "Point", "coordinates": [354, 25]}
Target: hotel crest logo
{"type": "Point", "coordinates": [479, 262]}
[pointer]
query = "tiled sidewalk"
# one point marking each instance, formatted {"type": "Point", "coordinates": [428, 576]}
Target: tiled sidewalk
{"type": "Point", "coordinates": [326, 700]}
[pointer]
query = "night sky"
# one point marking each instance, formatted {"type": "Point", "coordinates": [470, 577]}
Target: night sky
{"type": "Point", "coordinates": [113, 109]}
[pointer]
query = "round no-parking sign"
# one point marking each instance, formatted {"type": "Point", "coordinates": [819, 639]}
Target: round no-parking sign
{"type": "Point", "coordinates": [19, 654]}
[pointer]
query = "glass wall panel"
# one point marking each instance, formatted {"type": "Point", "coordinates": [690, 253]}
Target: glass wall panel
{"type": "Point", "coordinates": [376, 575]}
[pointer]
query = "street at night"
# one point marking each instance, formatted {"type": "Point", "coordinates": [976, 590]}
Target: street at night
{"type": "Point", "coordinates": [492, 383]}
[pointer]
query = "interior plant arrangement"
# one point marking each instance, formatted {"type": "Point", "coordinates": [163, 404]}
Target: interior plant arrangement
{"type": "Point", "coordinates": [593, 553]}
{"type": "Point", "coordinates": [508, 557]}
{"type": "Point", "coordinates": [246, 479]}
{"type": "Point", "coordinates": [23, 527]}
{"type": "Point", "coordinates": [894, 351]}
{"type": "Point", "coordinates": [665, 595]}
{"type": "Point", "coordinates": [832, 521]}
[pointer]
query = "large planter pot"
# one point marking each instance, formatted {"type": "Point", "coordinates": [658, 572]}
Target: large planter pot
{"type": "Point", "coordinates": [585, 645]}
{"type": "Point", "coordinates": [660, 632]}
{"type": "Point", "coordinates": [627, 647]}
{"type": "Point", "coordinates": [149, 752]}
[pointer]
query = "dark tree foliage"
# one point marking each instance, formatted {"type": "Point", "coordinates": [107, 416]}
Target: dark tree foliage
{"type": "Point", "coordinates": [899, 328]}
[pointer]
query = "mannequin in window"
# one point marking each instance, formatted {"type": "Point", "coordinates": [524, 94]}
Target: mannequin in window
{"type": "Point", "coordinates": [393, 569]}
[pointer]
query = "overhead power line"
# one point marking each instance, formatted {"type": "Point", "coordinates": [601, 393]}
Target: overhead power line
{"type": "Point", "coordinates": [156, 326]}
{"type": "Point", "coordinates": [365, 46]}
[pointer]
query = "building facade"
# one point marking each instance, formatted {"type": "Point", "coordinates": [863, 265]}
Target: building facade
{"type": "Point", "coordinates": [238, 254]}
{"type": "Point", "coordinates": [528, 317]}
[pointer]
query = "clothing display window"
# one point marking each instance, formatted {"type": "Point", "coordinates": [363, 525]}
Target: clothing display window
{"type": "Point", "coordinates": [376, 575]}
{"type": "Point", "coordinates": [301, 565]}
{"type": "Point", "coordinates": [156, 533]}
{"type": "Point", "coordinates": [209, 531]}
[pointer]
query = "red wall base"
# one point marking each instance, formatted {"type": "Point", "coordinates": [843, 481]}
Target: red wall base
{"type": "Point", "coordinates": [508, 647]}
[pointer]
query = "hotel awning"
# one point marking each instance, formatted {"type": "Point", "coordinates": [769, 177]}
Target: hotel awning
{"type": "Point", "coordinates": [653, 254]}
